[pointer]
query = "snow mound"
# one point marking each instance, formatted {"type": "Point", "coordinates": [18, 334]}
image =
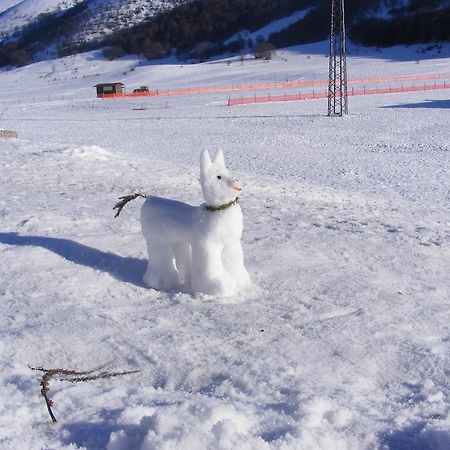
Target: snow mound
{"type": "Point", "coordinates": [89, 153]}
{"type": "Point", "coordinates": [200, 424]}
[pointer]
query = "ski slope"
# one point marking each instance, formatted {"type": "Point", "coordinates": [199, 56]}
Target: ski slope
{"type": "Point", "coordinates": [344, 342]}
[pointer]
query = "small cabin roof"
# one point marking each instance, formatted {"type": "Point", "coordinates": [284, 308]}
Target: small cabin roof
{"type": "Point", "coordinates": [108, 84]}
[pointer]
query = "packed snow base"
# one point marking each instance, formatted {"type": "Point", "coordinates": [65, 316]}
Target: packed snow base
{"type": "Point", "coordinates": [346, 233]}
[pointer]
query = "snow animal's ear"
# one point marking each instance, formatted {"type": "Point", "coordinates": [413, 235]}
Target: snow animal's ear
{"type": "Point", "coordinates": [205, 162]}
{"type": "Point", "coordinates": [219, 160]}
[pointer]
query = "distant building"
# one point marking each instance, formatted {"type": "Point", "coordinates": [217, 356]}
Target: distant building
{"type": "Point", "coordinates": [109, 88]}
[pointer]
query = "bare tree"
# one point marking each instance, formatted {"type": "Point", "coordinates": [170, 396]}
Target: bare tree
{"type": "Point", "coordinates": [264, 50]}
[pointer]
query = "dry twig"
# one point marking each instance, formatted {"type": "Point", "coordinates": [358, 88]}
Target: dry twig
{"type": "Point", "coordinates": [74, 377]}
{"type": "Point", "coordinates": [125, 199]}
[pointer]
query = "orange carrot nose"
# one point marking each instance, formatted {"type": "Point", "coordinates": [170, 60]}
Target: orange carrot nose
{"type": "Point", "coordinates": [237, 189]}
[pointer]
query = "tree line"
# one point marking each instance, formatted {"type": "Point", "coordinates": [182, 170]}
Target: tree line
{"type": "Point", "coordinates": [415, 27]}
{"type": "Point", "coordinates": [199, 29]}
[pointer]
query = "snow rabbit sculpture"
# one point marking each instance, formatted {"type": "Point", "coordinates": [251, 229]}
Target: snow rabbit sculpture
{"type": "Point", "coordinates": [197, 248]}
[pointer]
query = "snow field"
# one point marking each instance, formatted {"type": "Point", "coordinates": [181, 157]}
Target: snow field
{"type": "Point", "coordinates": [343, 345]}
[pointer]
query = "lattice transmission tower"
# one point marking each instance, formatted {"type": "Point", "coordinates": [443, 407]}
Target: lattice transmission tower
{"type": "Point", "coordinates": [337, 74]}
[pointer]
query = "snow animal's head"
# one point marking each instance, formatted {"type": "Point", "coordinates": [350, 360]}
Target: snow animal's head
{"type": "Point", "coordinates": [217, 186]}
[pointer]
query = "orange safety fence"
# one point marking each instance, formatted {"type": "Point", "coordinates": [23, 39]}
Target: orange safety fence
{"type": "Point", "coordinates": [270, 85]}
{"type": "Point", "coordinates": [324, 94]}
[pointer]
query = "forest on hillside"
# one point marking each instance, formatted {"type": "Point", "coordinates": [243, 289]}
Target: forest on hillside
{"type": "Point", "coordinates": [198, 29]}
{"type": "Point", "coordinates": [420, 22]}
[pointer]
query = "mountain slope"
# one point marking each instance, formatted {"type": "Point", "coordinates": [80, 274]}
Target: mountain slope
{"type": "Point", "coordinates": [49, 28]}
{"type": "Point", "coordinates": [16, 14]}
{"type": "Point", "coordinates": [35, 30]}
{"type": "Point", "coordinates": [101, 18]}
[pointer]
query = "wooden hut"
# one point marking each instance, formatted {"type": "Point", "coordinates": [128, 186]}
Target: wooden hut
{"type": "Point", "coordinates": [109, 88]}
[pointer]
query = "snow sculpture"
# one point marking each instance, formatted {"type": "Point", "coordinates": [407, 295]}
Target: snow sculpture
{"type": "Point", "coordinates": [197, 248]}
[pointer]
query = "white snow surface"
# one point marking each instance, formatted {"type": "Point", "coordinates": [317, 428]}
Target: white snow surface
{"type": "Point", "coordinates": [345, 344]}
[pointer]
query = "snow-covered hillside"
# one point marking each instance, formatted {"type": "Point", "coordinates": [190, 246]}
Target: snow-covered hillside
{"type": "Point", "coordinates": [101, 17]}
{"type": "Point", "coordinates": [345, 341]}
{"type": "Point", "coordinates": [14, 13]}
{"type": "Point", "coordinates": [104, 18]}
{"type": "Point", "coordinates": [33, 30]}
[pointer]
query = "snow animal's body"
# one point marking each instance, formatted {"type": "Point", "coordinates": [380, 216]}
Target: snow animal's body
{"type": "Point", "coordinates": [197, 248]}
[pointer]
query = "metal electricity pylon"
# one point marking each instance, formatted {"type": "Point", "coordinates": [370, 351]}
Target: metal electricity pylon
{"type": "Point", "coordinates": [337, 81]}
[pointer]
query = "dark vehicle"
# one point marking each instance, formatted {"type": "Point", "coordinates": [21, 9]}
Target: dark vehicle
{"type": "Point", "coordinates": [142, 89]}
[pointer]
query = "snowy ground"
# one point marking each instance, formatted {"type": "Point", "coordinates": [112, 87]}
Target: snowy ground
{"type": "Point", "coordinates": [345, 342]}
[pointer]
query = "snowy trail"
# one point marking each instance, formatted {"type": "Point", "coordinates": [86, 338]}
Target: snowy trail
{"type": "Point", "coordinates": [345, 342]}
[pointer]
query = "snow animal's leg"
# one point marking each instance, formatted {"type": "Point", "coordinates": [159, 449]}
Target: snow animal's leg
{"type": "Point", "coordinates": [208, 273]}
{"type": "Point", "coordinates": [233, 261]}
{"type": "Point", "coordinates": [183, 259]}
{"type": "Point", "coordinates": [161, 272]}
{"type": "Point", "coordinates": [149, 277]}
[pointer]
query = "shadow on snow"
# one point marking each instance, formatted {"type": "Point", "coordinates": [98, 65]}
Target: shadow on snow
{"type": "Point", "coordinates": [96, 435]}
{"type": "Point", "coordinates": [442, 104]}
{"type": "Point", "coordinates": [416, 437]}
{"type": "Point", "coordinates": [122, 268]}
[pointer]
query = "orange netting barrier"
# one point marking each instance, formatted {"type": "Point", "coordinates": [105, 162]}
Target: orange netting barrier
{"type": "Point", "coordinates": [324, 94]}
{"type": "Point", "coordinates": [270, 85]}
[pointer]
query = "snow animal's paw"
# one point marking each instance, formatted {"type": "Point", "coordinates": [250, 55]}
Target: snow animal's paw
{"type": "Point", "coordinates": [221, 286]}
{"type": "Point", "coordinates": [243, 281]}
{"type": "Point", "coordinates": [166, 282]}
